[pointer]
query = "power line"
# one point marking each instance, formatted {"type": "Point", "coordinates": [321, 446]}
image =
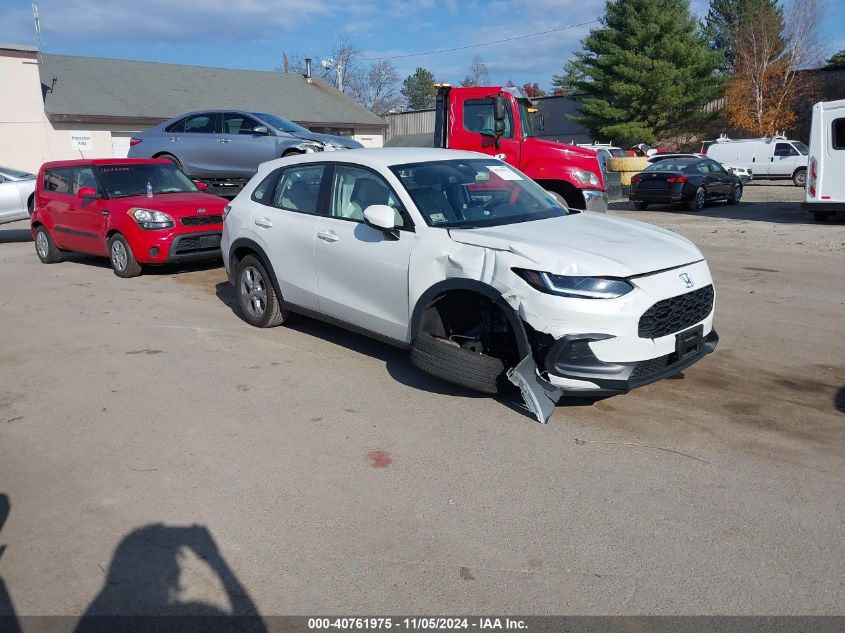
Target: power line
{"type": "Point", "coordinates": [461, 48]}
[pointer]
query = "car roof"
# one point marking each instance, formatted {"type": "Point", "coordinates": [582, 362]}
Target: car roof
{"type": "Point", "coordinates": [383, 157]}
{"type": "Point", "coordinates": [85, 162]}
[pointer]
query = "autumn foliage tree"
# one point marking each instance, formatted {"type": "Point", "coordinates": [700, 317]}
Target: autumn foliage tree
{"type": "Point", "coordinates": [767, 90]}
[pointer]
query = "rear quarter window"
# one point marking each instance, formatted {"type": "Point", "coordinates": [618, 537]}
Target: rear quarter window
{"type": "Point", "coordinates": [58, 180]}
{"type": "Point", "coordinates": [837, 137]}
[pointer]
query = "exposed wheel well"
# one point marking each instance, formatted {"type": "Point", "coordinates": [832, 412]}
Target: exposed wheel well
{"type": "Point", "coordinates": [571, 194]}
{"type": "Point", "coordinates": [473, 321]}
{"type": "Point", "coordinates": [30, 203]}
{"type": "Point", "coordinates": [291, 152]}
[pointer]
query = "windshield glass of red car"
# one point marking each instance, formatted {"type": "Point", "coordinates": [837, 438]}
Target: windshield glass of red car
{"type": "Point", "coordinates": [123, 180]}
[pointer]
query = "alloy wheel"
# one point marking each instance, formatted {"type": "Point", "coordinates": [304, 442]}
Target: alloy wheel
{"type": "Point", "coordinates": [41, 244]}
{"type": "Point", "coordinates": [118, 255]}
{"type": "Point", "coordinates": [253, 292]}
{"type": "Point", "coordinates": [699, 199]}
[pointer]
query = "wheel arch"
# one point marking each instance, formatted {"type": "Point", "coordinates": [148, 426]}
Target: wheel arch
{"type": "Point", "coordinates": [449, 286]}
{"type": "Point", "coordinates": [243, 247]}
{"type": "Point", "coordinates": [571, 194]}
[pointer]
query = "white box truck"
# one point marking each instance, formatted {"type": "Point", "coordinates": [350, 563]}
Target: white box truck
{"type": "Point", "coordinates": [766, 158]}
{"type": "Point", "coordinates": [825, 192]}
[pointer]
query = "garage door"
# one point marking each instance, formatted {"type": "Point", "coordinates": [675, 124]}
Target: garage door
{"type": "Point", "coordinates": [120, 146]}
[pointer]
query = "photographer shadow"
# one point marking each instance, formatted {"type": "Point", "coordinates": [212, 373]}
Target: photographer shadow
{"type": "Point", "coordinates": [144, 583]}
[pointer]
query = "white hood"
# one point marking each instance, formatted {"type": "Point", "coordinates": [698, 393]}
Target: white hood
{"type": "Point", "coordinates": [587, 244]}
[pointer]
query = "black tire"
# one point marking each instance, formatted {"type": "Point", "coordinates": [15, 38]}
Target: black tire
{"type": "Point", "coordinates": [256, 296]}
{"type": "Point", "coordinates": [698, 200]}
{"type": "Point", "coordinates": [45, 247]}
{"type": "Point", "coordinates": [821, 216]}
{"type": "Point", "coordinates": [640, 205]}
{"type": "Point", "coordinates": [292, 152]}
{"type": "Point", "coordinates": [122, 259]}
{"type": "Point", "coordinates": [457, 365]}
{"type": "Point", "coordinates": [736, 194]}
{"type": "Point", "coordinates": [173, 160]}
{"type": "Point", "coordinates": [799, 178]}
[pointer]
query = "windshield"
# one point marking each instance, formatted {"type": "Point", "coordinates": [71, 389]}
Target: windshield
{"type": "Point", "coordinates": [526, 118]}
{"type": "Point", "coordinates": [470, 194]}
{"type": "Point", "coordinates": [281, 124]}
{"type": "Point", "coordinates": [123, 180]}
{"type": "Point", "coordinates": [14, 173]}
{"type": "Point", "coordinates": [805, 151]}
{"type": "Point", "coordinates": [671, 164]}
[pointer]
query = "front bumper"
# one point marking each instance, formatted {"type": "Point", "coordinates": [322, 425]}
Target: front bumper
{"type": "Point", "coordinates": [571, 362]}
{"type": "Point", "coordinates": [595, 200]}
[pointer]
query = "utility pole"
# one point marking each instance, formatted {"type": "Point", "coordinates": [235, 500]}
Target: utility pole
{"type": "Point", "coordinates": [37, 19]}
{"type": "Point", "coordinates": [340, 74]}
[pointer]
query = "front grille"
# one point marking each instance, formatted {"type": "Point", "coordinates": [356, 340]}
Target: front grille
{"type": "Point", "coordinates": [675, 314]}
{"type": "Point", "coordinates": [202, 220]}
{"type": "Point", "coordinates": [653, 366]}
{"type": "Point", "coordinates": [198, 243]}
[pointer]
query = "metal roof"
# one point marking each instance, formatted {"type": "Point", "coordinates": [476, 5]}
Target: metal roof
{"type": "Point", "coordinates": [94, 88]}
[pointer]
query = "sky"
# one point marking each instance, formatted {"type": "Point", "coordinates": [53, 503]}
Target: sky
{"type": "Point", "coordinates": [254, 34]}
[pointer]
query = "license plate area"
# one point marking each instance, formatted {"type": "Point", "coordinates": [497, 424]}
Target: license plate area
{"type": "Point", "coordinates": [689, 342]}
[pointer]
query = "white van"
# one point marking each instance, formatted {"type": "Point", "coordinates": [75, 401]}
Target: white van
{"type": "Point", "coordinates": [764, 157]}
{"type": "Point", "coordinates": [825, 193]}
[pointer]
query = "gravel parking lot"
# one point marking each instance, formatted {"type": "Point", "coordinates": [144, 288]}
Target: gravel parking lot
{"type": "Point", "coordinates": [333, 477]}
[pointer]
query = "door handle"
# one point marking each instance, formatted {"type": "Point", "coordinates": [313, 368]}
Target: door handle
{"type": "Point", "coordinates": [264, 223]}
{"type": "Point", "coordinates": [104, 212]}
{"type": "Point", "coordinates": [173, 139]}
{"type": "Point", "coordinates": [328, 236]}
{"type": "Point", "coordinates": [222, 140]}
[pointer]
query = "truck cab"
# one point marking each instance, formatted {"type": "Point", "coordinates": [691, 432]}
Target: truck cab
{"type": "Point", "coordinates": [498, 121]}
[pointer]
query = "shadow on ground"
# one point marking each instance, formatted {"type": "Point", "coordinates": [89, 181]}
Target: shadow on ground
{"type": "Point", "coordinates": [396, 360]}
{"type": "Point", "coordinates": [13, 236]}
{"type": "Point", "coordinates": [145, 578]}
{"type": "Point", "coordinates": [149, 270]}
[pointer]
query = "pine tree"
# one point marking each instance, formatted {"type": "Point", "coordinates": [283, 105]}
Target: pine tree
{"type": "Point", "coordinates": [723, 20]}
{"type": "Point", "coordinates": [418, 89]}
{"type": "Point", "coordinates": [647, 72]}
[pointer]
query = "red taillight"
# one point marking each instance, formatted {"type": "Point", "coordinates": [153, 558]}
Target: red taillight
{"type": "Point", "coordinates": [677, 179]}
{"type": "Point", "coordinates": [811, 184]}
{"type": "Point", "coordinates": [134, 141]}
{"type": "Point", "coordinates": [635, 179]}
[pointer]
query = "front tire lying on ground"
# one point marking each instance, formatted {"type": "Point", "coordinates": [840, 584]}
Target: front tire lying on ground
{"type": "Point", "coordinates": [123, 261]}
{"type": "Point", "coordinates": [256, 297]}
{"type": "Point", "coordinates": [452, 363]}
{"type": "Point", "coordinates": [45, 247]}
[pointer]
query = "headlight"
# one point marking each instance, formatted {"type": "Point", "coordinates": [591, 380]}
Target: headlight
{"type": "Point", "coordinates": [579, 287]}
{"type": "Point", "coordinates": [586, 177]}
{"type": "Point", "coordinates": [151, 219]}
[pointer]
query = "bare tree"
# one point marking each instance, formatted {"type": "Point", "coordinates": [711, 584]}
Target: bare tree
{"type": "Point", "coordinates": [772, 49]}
{"type": "Point", "coordinates": [339, 67]}
{"type": "Point", "coordinates": [477, 74]}
{"type": "Point", "coordinates": [377, 89]}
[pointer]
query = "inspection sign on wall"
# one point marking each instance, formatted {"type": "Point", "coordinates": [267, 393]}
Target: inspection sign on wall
{"type": "Point", "coordinates": [81, 140]}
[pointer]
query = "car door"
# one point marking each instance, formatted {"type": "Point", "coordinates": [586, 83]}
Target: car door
{"type": "Point", "coordinates": [197, 146]}
{"type": "Point", "coordinates": [286, 229]}
{"type": "Point", "coordinates": [783, 160]}
{"type": "Point", "coordinates": [58, 202]}
{"type": "Point", "coordinates": [362, 273]}
{"type": "Point", "coordinates": [88, 216]}
{"type": "Point", "coordinates": [723, 182]}
{"type": "Point", "coordinates": [711, 184]}
{"type": "Point", "coordinates": [242, 149]}
{"type": "Point", "coordinates": [478, 121]}
{"type": "Point", "coordinates": [10, 200]}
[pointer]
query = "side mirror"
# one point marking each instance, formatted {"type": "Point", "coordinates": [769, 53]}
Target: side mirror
{"type": "Point", "coordinates": [260, 129]}
{"type": "Point", "coordinates": [86, 192]}
{"type": "Point", "coordinates": [382, 218]}
{"type": "Point", "coordinates": [201, 185]}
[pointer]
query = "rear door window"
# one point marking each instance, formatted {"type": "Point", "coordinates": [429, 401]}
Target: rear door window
{"type": "Point", "coordinates": [838, 133]}
{"type": "Point", "coordinates": [205, 123]}
{"type": "Point", "coordinates": [58, 180]}
{"type": "Point", "coordinates": [299, 188]}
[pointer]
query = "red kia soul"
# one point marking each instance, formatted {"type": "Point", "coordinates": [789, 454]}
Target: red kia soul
{"type": "Point", "coordinates": [133, 211]}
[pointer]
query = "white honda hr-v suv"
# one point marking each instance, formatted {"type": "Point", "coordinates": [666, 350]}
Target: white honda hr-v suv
{"type": "Point", "coordinates": [484, 275]}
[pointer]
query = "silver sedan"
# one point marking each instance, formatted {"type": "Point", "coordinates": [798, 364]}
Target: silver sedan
{"type": "Point", "coordinates": [17, 195]}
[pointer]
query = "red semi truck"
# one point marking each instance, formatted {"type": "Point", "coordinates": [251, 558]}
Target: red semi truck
{"type": "Point", "coordinates": [497, 121]}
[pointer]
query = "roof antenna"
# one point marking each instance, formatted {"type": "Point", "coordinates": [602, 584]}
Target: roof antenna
{"type": "Point", "coordinates": [37, 19]}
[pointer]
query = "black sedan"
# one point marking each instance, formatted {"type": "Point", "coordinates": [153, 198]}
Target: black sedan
{"type": "Point", "coordinates": [691, 181]}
